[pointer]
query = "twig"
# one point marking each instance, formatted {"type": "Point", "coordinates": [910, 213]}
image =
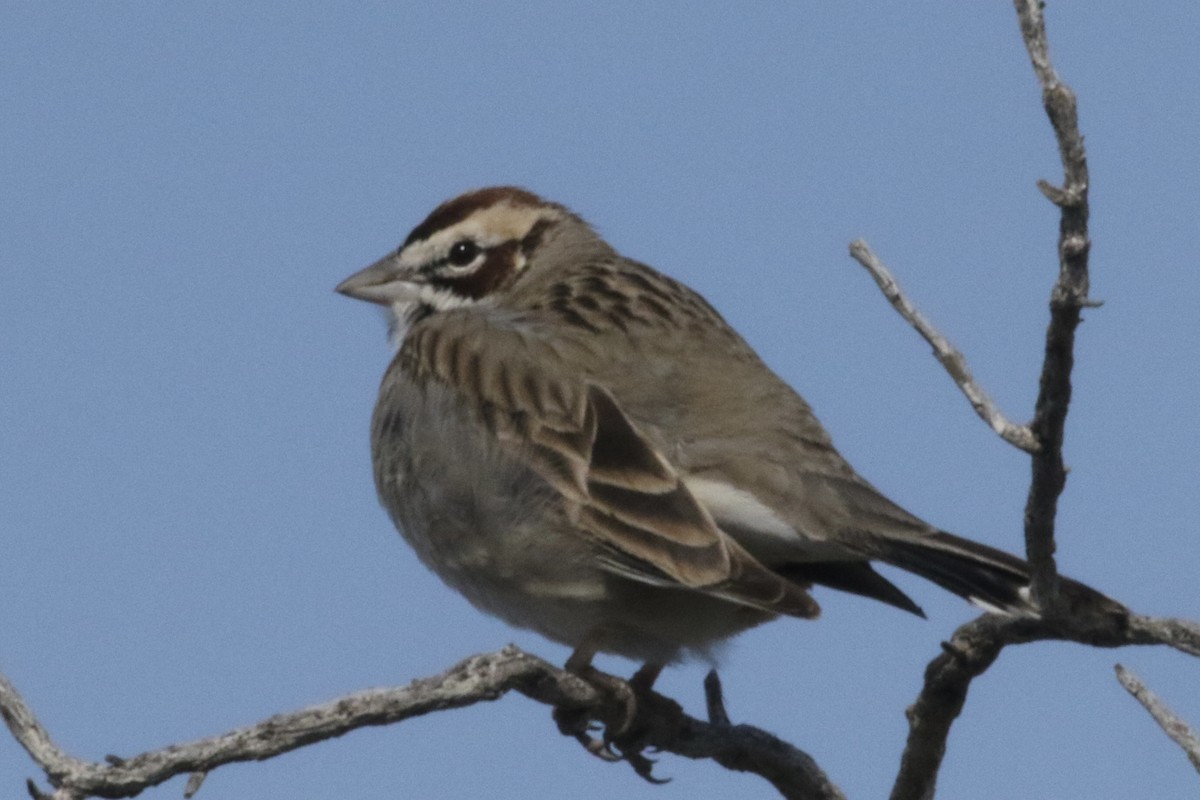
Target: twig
{"type": "Point", "coordinates": [972, 650]}
{"type": "Point", "coordinates": [661, 724]}
{"type": "Point", "coordinates": [1182, 634]}
{"type": "Point", "coordinates": [949, 356]}
{"type": "Point", "coordinates": [977, 644]}
{"type": "Point", "coordinates": [1068, 298]}
{"type": "Point", "coordinates": [1179, 731]}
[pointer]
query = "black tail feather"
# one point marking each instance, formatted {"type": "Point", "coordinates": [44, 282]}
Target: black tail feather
{"type": "Point", "coordinates": [984, 575]}
{"type": "Point", "coordinates": [856, 577]}
{"type": "Point", "coordinates": [990, 578]}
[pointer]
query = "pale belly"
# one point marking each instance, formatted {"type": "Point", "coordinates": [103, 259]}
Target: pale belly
{"type": "Point", "coordinates": [497, 533]}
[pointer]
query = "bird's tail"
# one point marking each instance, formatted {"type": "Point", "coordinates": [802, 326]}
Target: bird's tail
{"type": "Point", "coordinates": [989, 578]}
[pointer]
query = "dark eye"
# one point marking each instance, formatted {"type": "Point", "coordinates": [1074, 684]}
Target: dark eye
{"type": "Point", "coordinates": [463, 253]}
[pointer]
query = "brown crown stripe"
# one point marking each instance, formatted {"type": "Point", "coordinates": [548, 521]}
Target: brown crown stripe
{"type": "Point", "coordinates": [455, 211]}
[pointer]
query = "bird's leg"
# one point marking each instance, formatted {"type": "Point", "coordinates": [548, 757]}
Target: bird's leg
{"type": "Point", "coordinates": [619, 732]}
{"type": "Point", "coordinates": [643, 680]}
{"type": "Point", "coordinates": [574, 721]}
{"type": "Point", "coordinates": [638, 686]}
{"type": "Point", "coordinates": [715, 699]}
{"type": "Point", "coordinates": [628, 738]}
{"type": "Point", "coordinates": [580, 660]}
{"type": "Point", "coordinates": [580, 663]}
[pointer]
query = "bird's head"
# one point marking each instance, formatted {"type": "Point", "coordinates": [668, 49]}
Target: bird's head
{"type": "Point", "coordinates": [468, 249]}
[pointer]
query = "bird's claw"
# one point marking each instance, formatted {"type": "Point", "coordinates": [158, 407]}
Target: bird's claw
{"type": "Point", "coordinates": [621, 739]}
{"type": "Point", "coordinates": [575, 723]}
{"type": "Point", "coordinates": [644, 767]}
{"type": "Point", "coordinates": [601, 749]}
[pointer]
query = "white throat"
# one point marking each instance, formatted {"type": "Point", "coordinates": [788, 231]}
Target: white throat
{"type": "Point", "coordinates": [417, 300]}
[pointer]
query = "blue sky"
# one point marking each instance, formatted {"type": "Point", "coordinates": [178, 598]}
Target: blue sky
{"type": "Point", "coordinates": [190, 535]}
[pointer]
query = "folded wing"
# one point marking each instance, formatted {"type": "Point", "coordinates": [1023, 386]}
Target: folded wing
{"type": "Point", "coordinates": [620, 489]}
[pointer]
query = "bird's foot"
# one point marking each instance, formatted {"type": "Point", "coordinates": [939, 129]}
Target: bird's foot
{"type": "Point", "coordinates": [576, 723]}
{"type": "Point", "coordinates": [623, 738]}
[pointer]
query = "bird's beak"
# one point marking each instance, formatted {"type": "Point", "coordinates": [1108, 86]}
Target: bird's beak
{"type": "Point", "coordinates": [384, 282]}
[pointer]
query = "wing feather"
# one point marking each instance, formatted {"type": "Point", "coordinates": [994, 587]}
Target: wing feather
{"type": "Point", "coordinates": [625, 494]}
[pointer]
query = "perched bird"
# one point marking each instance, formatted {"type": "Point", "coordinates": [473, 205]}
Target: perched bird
{"type": "Point", "coordinates": [583, 446]}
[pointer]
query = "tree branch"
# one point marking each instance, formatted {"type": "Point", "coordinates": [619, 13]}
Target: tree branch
{"type": "Point", "coordinates": [976, 645]}
{"type": "Point", "coordinates": [1179, 731]}
{"type": "Point", "coordinates": [660, 723]}
{"type": "Point", "coordinates": [950, 357]}
{"type": "Point", "coordinates": [1182, 634]}
{"type": "Point", "coordinates": [1068, 298]}
{"type": "Point", "coordinates": [1043, 437]}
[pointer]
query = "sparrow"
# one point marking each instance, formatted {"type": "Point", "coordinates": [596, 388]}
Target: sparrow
{"type": "Point", "coordinates": [583, 446]}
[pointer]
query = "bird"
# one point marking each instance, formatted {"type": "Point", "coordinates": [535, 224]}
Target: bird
{"type": "Point", "coordinates": [583, 446]}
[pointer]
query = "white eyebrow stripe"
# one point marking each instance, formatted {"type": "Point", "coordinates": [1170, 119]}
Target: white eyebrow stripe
{"type": "Point", "coordinates": [487, 227]}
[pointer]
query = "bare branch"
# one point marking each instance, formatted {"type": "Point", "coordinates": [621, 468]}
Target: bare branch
{"type": "Point", "coordinates": [972, 650]}
{"type": "Point", "coordinates": [1179, 731]}
{"type": "Point", "coordinates": [660, 724]}
{"type": "Point", "coordinates": [1068, 298]}
{"type": "Point", "coordinates": [30, 734]}
{"type": "Point", "coordinates": [1071, 611]}
{"type": "Point", "coordinates": [951, 358]}
{"type": "Point", "coordinates": [977, 644]}
{"type": "Point", "coordinates": [1182, 634]}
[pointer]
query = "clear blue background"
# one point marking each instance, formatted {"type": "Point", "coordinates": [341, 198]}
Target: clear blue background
{"type": "Point", "coordinates": [191, 540]}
